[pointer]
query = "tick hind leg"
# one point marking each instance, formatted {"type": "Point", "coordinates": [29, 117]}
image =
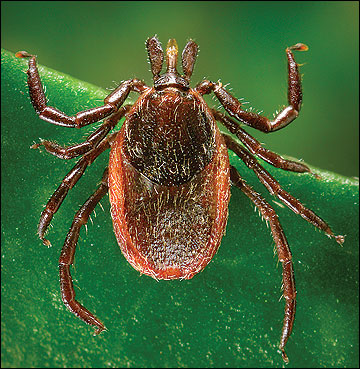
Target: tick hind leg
{"type": "Point", "coordinates": [68, 252]}
{"type": "Point", "coordinates": [283, 252]}
{"type": "Point", "coordinates": [275, 189]}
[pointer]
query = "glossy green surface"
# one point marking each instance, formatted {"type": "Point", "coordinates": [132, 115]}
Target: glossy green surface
{"type": "Point", "coordinates": [228, 315]}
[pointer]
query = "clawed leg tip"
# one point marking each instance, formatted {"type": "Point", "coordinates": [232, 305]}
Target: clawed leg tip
{"type": "Point", "coordinates": [37, 145]}
{"type": "Point", "coordinates": [100, 329]}
{"type": "Point", "coordinates": [299, 47]}
{"type": "Point", "coordinates": [46, 242]}
{"type": "Point", "coordinates": [284, 356]}
{"type": "Point", "coordinates": [316, 176]}
{"type": "Point", "coordinates": [340, 239]}
{"type": "Point", "coordinates": [23, 54]}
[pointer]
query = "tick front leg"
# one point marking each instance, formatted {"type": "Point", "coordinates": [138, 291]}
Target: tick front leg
{"type": "Point", "coordinates": [282, 119]}
{"type": "Point", "coordinates": [91, 142]}
{"type": "Point", "coordinates": [52, 115]}
{"type": "Point", "coordinates": [283, 252]}
{"type": "Point", "coordinates": [255, 147]}
{"type": "Point", "coordinates": [67, 257]}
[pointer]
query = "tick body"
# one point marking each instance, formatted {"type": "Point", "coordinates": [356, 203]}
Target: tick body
{"type": "Point", "coordinates": [169, 174]}
{"type": "Point", "coordinates": [169, 183]}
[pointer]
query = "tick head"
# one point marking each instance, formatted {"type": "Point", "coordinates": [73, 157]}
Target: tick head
{"type": "Point", "coordinates": [171, 77]}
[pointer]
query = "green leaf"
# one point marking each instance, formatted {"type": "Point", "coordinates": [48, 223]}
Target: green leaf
{"type": "Point", "coordinates": [227, 315]}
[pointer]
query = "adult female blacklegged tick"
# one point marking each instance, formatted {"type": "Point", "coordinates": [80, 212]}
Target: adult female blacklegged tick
{"type": "Point", "coordinates": [169, 174]}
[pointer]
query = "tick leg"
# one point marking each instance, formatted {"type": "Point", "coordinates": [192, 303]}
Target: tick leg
{"type": "Point", "coordinates": [67, 183]}
{"type": "Point", "coordinates": [282, 119]}
{"type": "Point", "coordinates": [111, 103]}
{"type": "Point", "coordinates": [283, 252]}
{"type": "Point", "coordinates": [255, 147]}
{"type": "Point", "coordinates": [275, 189]}
{"type": "Point", "coordinates": [68, 252]}
{"type": "Point", "coordinates": [91, 142]}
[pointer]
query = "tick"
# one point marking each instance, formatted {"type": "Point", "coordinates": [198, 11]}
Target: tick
{"type": "Point", "coordinates": [169, 174]}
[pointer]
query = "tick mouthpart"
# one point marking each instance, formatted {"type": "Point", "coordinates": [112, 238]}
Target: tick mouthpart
{"type": "Point", "coordinates": [171, 78]}
{"type": "Point", "coordinates": [171, 56]}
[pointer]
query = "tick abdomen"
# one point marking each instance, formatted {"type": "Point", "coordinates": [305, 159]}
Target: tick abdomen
{"type": "Point", "coordinates": [177, 228]}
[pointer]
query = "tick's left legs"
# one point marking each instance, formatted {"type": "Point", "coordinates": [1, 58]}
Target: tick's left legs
{"type": "Point", "coordinates": [283, 252]}
{"type": "Point", "coordinates": [68, 252]}
{"type": "Point", "coordinates": [287, 115]}
{"type": "Point", "coordinates": [255, 147]}
{"type": "Point", "coordinates": [275, 189]}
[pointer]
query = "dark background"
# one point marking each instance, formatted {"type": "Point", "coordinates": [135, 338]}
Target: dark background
{"type": "Point", "coordinates": [241, 43]}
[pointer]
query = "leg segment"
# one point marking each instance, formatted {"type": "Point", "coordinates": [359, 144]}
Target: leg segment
{"type": "Point", "coordinates": [67, 183]}
{"type": "Point", "coordinates": [91, 142]}
{"type": "Point", "coordinates": [275, 189]}
{"type": "Point", "coordinates": [67, 257]}
{"type": "Point", "coordinates": [255, 147]}
{"type": "Point", "coordinates": [111, 103]}
{"type": "Point", "coordinates": [287, 115]}
{"type": "Point", "coordinates": [284, 255]}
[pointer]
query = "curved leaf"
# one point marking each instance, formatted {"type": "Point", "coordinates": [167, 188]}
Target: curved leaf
{"type": "Point", "coordinates": [228, 315]}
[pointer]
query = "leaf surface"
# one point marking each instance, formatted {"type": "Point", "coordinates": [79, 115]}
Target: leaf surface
{"type": "Point", "coordinates": [227, 315]}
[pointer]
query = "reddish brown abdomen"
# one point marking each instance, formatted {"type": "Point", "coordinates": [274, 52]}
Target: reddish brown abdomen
{"type": "Point", "coordinates": [170, 226]}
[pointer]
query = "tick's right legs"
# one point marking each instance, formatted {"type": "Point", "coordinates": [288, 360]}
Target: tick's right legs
{"type": "Point", "coordinates": [52, 115]}
{"type": "Point", "coordinates": [68, 252]}
{"type": "Point", "coordinates": [67, 183]}
{"type": "Point", "coordinates": [70, 152]}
